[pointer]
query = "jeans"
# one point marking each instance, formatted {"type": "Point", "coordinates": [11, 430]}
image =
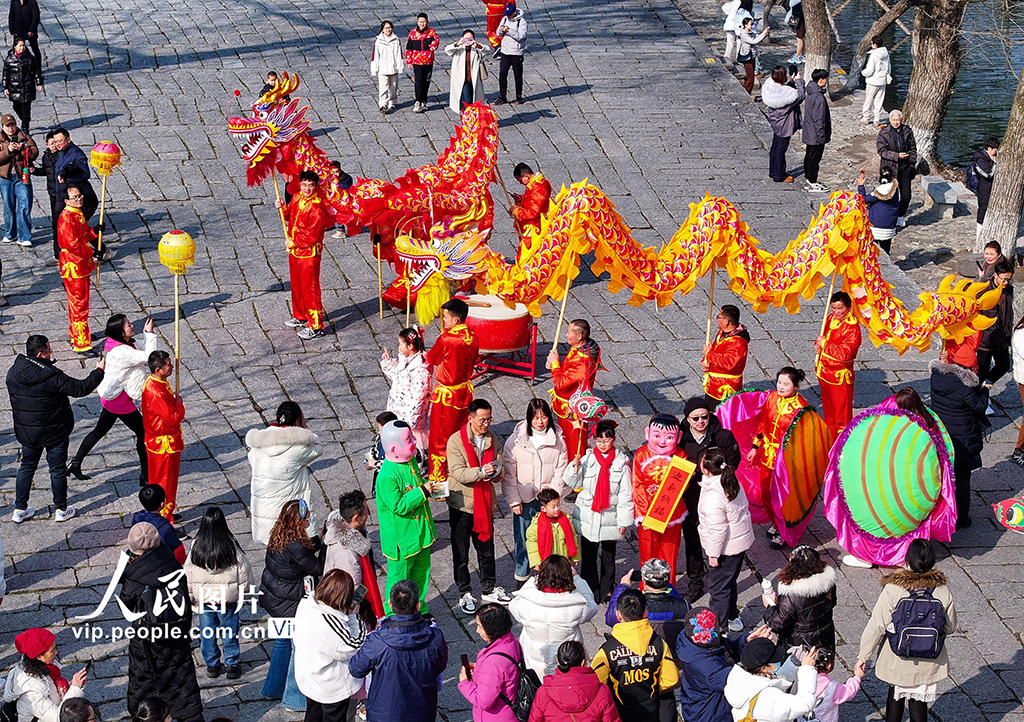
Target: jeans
{"type": "Point", "coordinates": [516, 63]}
{"type": "Point", "coordinates": [461, 524]}
{"type": "Point", "coordinates": [812, 161]}
{"type": "Point", "coordinates": [213, 621]}
{"type": "Point", "coordinates": [421, 81]}
{"type": "Point", "coordinates": [17, 200]}
{"type": "Point", "coordinates": [57, 460]}
{"type": "Point", "coordinates": [280, 680]}
{"type": "Point", "coordinates": [520, 523]}
{"type": "Point", "coordinates": [103, 426]}
{"type": "Point", "coordinates": [777, 158]}
{"type": "Point", "coordinates": [467, 95]}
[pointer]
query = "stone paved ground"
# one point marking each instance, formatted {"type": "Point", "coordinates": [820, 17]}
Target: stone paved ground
{"type": "Point", "coordinates": [624, 94]}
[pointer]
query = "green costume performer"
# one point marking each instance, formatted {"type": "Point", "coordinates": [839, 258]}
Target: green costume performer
{"type": "Point", "coordinates": [406, 526]}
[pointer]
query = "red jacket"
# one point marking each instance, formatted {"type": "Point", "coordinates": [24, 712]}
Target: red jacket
{"type": "Point", "coordinates": [533, 203]}
{"type": "Point", "coordinates": [577, 370]}
{"type": "Point", "coordinates": [842, 341]}
{"type": "Point", "coordinates": [307, 221]}
{"type": "Point", "coordinates": [74, 236]}
{"type": "Point", "coordinates": [420, 46]}
{"type": "Point", "coordinates": [577, 692]}
{"type": "Point", "coordinates": [727, 358]}
{"type": "Point", "coordinates": [453, 355]}
{"type": "Point", "coordinates": [162, 415]}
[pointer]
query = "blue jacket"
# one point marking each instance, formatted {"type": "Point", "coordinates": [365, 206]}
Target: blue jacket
{"type": "Point", "coordinates": [406, 655]}
{"type": "Point", "coordinates": [167, 534]}
{"type": "Point", "coordinates": [702, 675]}
{"type": "Point", "coordinates": [72, 165]}
{"type": "Point", "coordinates": [883, 209]}
{"type": "Point", "coordinates": [666, 611]}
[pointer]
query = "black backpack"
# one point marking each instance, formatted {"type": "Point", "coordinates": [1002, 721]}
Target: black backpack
{"type": "Point", "coordinates": [529, 683]}
{"type": "Point", "coordinates": [918, 626]}
{"type": "Point", "coordinates": [971, 179]}
{"type": "Point", "coordinates": [9, 711]}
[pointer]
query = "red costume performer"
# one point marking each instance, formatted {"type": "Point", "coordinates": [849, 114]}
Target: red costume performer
{"type": "Point", "coordinates": [495, 12]}
{"type": "Point", "coordinates": [162, 415]}
{"type": "Point", "coordinates": [453, 357]}
{"type": "Point", "coordinates": [726, 360]}
{"type": "Point", "coordinates": [577, 371]}
{"type": "Point", "coordinates": [835, 371]}
{"type": "Point", "coordinates": [532, 204]}
{"type": "Point", "coordinates": [307, 221]}
{"type": "Point", "coordinates": [776, 417]}
{"type": "Point", "coordinates": [650, 467]}
{"type": "Point", "coordinates": [74, 237]}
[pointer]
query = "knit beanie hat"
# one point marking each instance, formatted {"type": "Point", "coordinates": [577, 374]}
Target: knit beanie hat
{"type": "Point", "coordinates": [33, 642]}
{"type": "Point", "coordinates": [702, 628]}
{"type": "Point", "coordinates": [697, 402]}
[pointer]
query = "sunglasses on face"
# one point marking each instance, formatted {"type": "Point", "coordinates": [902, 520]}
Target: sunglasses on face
{"type": "Point", "coordinates": [702, 417]}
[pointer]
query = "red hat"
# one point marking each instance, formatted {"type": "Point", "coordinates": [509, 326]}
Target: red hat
{"type": "Point", "coordinates": [964, 353]}
{"type": "Point", "coordinates": [33, 642]}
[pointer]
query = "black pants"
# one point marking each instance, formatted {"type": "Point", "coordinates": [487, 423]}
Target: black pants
{"type": "Point", "coordinates": [421, 81]}
{"type": "Point", "coordinates": [696, 571]}
{"type": "Point", "coordinates": [812, 161]}
{"type": "Point", "coordinates": [516, 63]}
{"type": "Point", "coordinates": [777, 158]}
{"type": "Point", "coordinates": [962, 481]}
{"type": "Point", "coordinates": [461, 524]}
{"type": "Point", "coordinates": [885, 245]}
{"type": "Point", "coordinates": [894, 708]}
{"type": "Point", "coordinates": [598, 567]}
{"type": "Point", "coordinates": [722, 587]}
{"type": "Point", "coordinates": [24, 112]}
{"type": "Point", "coordinates": [103, 426]}
{"type": "Point", "coordinates": [320, 712]}
{"type": "Point", "coordinates": [57, 460]}
{"type": "Point", "coordinates": [905, 178]}
{"type": "Point", "coordinates": [33, 41]}
{"type": "Point", "coordinates": [989, 372]}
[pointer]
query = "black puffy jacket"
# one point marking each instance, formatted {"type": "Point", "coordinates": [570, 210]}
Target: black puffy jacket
{"type": "Point", "coordinates": [960, 401]}
{"type": "Point", "coordinates": [803, 614]}
{"type": "Point", "coordinates": [281, 584]}
{"type": "Point", "coordinates": [21, 76]}
{"type": "Point", "coordinates": [39, 394]}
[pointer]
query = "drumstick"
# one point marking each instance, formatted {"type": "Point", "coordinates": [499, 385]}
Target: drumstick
{"type": "Point", "coordinates": [477, 304]}
{"type": "Point", "coordinates": [561, 316]}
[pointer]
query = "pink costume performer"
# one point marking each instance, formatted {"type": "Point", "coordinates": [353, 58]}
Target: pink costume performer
{"type": "Point", "coordinates": [890, 481]}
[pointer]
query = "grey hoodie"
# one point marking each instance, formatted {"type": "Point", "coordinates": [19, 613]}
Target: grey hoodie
{"type": "Point", "coordinates": [514, 41]}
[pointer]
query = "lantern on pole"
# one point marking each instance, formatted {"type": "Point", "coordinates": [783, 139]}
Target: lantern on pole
{"type": "Point", "coordinates": [105, 156]}
{"type": "Point", "coordinates": [177, 252]}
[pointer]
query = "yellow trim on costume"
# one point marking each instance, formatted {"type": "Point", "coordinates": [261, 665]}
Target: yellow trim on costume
{"type": "Point", "coordinates": [443, 394]}
{"type": "Point", "coordinates": [165, 442]}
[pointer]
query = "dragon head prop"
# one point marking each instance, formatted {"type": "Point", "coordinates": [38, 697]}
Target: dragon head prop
{"type": "Point", "coordinates": [274, 122]}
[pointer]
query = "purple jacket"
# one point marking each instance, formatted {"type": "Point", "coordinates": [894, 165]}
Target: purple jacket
{"type": "Point", "coordinates": [493, 676]}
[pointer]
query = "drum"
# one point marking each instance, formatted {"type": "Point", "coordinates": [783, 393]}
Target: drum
{"type": "Point", "coordinates": [500, 329]}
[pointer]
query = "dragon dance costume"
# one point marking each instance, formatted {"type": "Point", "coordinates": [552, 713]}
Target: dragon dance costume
{"type": "Point", "coordinates": [727, 358]}
{"type": "Point", "coordinates": [453, 356]}
{"type": "Point", "coordinates": [162, 415]}
{"type": "Point", "coordinates": [650, 471]}
{"type": "Point", "coordinates": [532, 204]}
{"type": "Point", "coordinates": [307, 221]}
{"type": "Point", "coordinates": [74, 237]}
{"type": "Point", "coordinates": [575, 373]}
{"type": "Point", "coordinates": [835, 371]}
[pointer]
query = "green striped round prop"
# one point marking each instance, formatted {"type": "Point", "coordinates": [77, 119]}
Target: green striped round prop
{"type": "Point", "coordinates": [890, 475]}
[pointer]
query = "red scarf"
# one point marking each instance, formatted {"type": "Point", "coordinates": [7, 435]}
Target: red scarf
{"type": "Point", "coordinates": [483, 491]}
{"type": "Point", "coordinates": [602, 492]}
{"type": "Point", "coordinates": [546, 537]}
{"type": "Point", "coordinates": [62, 684]}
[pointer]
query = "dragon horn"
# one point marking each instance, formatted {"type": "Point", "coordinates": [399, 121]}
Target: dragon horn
{"type": "Point", "coordinates": [285, 86]}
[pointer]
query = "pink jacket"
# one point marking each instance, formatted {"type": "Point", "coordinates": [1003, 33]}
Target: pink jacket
{"type": "Point", "coordinates": [528, 469]}
{"type": "Point", "coordinates": [493, 676]}
{"type": "Point", "coordinates": [574, 695]}
{"type": "Point", "coordinates": [724, 525]}
{"type": "Point", "coordinates": [832, 694]}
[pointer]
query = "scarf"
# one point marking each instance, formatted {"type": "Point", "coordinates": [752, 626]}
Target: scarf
{"type": "Point", "coordinates": [483, 492]}
{"type": "Point", "coordinates": [62, 684]}
{"type": "Point", "coordinates": [602, 492]}
{"type": "Point", "coordinates": [546, 536]}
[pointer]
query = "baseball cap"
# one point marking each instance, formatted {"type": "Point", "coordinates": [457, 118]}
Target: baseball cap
{"type": "Point", "coordinates": [760, 652]}
{"type": "Point", "coordinates": [8, 119]}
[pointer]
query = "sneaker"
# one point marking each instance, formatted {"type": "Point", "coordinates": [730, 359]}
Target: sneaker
{"type": "Point", "coordinates": [851, 561]}
{"type": "Point", "coordinates": [901, 222]}
{"type": "Point", "coordinates": [794, 58]}
{"type": "Point", "coordinates": [21, 515]}
{"type": "Point", "coordinates": [51, 262]}
{"type": "Point", "coordinates": [64, 514]}
{"type": "Point", "coordinates": [787, 179]}
{"type": "Point", "coordinates": [1018, 457]}
{"type": "Point", "coordinates": [25, 244]}
{"type": "Point", "coordinates": [213, 672]}
{"type": "Point", "coordinates": [467, 604]}
{"type": "Point", "coordinates": [990, 411]}
{"type": "Point", "coordinates": [500, 101]}
{"type": "Point", "coordinates": [308, 334]}
{"type": "Point", "coordinates": [964, 523]}
{"type": "Point", "coordinates": [499, 595]}
{"type": "Point", "coordinates": [234, 671]}
{"type": "Point", "coordinates": [8, 240]}
{"type": "Point", "coordinates": [736, 625]}
{"type": "Point", "coordinates": [338, 234]}
{"type": "Point", "coordinates": [295, 323]}
{"type": "Point", "coordinates": [497, 53]}
{"type": "Point", "coordinates": [361, 711]}
{"type": "Point", "coordinates": [864, 121]}
{"type": "Point", "coordinates": [817, 188]}
{"type": "Point", "coordinates": [420, 108]}
{"type": "Point", "coordinates": [774, 538]}
{"type": "Point", "coordinates": [519, 101]}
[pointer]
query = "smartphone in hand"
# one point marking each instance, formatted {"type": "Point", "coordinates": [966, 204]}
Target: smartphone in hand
{"type": "Point", "coordinates": [465, 666]}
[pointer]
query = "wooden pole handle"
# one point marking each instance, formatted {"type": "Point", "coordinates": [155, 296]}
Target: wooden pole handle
{"type": "Point", "coordinates": [277, 192]}
{"type": "Point", "coordinates": [711, 308]}
{"type": "Point", "coordinates": [177, 335]}
{"type": "Point", "coordinates": [501, 180]}
{"type": "Point", "coordinates": [99, 234]}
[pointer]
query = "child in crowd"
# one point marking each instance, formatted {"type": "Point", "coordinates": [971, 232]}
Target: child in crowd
{"type": "Point", "coordinates": [152, 498]}
{"type": "Point", "coordinates": [604, 507]}
{"type": "Point", "coordinates": [375, 456]}
{"type": "Point", "coordinates": [272, 80]}
{"type": "Point", "coordinates": [551, 532]}
{"type": "Point", "coordinates": [830, 693]}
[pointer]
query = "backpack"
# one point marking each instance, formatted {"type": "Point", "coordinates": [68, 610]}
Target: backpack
{"type": "Point", "coordinates": [750, 710]}
{"type": "Point", "coordinates": [529, 683]}
{"type": "Point", "coordinates": [971, 179]}
{"type": "Point", "coordinates": [918, 627]}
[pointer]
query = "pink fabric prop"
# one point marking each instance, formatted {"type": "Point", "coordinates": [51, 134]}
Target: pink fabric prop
{"type": "Point", "coordinates": [740, 415]}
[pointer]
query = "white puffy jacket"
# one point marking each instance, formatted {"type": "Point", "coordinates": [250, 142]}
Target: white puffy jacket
{"type": "Point", "coordinates": [36, 696]}
{"type": "Point", "coordinates": [325, 640]}
{"type": "Point", "coordinates": [280, 457]}
{"type": "Point", "coordinates": [548, 619]}
{"type": "Point", "coordinates": [125, 369]}
{"type": "Point", "coordinates": [602, 526]}
{"type": "Point", "coordinates": [774, 703]}
{"type": "Point", "coordinates": [226, 584]}
{"type": "Point", "coordinates": [878, 67]}
{"type": "Point", "coordinates": [388, 57]}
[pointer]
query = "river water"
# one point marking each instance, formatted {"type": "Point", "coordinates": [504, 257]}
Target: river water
{"type": "Point", "coordinates": [985, 85]}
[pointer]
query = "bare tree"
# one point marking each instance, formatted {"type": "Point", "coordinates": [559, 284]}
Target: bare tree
{"type": "Point", "coordinates": [818, 39]}
{"type": "Point", "coordinates": [1002, 219]}
{"type": "Point", "coordinates": [860, 57]}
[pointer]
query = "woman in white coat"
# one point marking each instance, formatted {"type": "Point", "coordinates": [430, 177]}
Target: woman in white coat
{"type": "Point", "coordinates": [468, 72]}
{"type": "Point", "coordinates": [120, 391]}
{"type": "Point", "coordinates": [410, 378]}
{"type": "Point", "coordinates": [35, 683]}
{"type": "Point", "coordinates": [551, 607]}
{"type": "Point", "coordinates": [387, 61]}
{"type": "Point", "coordinates": [603, 509]}
{"type": "Point", "coordinates": [280, 456]}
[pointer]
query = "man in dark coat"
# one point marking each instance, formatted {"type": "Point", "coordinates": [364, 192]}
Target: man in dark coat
{"type": "Point", "coordinates": [897, 148]}
{"type": "Point", "coordinates": [984, 162]}
{"type": "Point", "coordinates": [23, 22]}
{"type": "Point", "coordinates": [666, 610]}
{"type": "Point", "coordinates": [701, 431]}
{"type": "Point", "coordinates": [817, 128]}
{"type": "Point", "coordinates": [43, 419]}
{"type": "Point", "coordinates": [406, 653]}
{"type": "Point", "coordinates": [960, 400]}
{"type": "Point", "coordinates": [72, 169]}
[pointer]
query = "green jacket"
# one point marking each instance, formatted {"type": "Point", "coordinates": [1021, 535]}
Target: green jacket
{"type": "Point", "coordinates": [403, 511]}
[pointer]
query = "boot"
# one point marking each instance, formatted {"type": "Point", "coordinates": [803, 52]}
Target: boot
{"type": "Point", "coordinates": [75, 469]}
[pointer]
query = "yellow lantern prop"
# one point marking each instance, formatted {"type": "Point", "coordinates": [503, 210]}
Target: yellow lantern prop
{"type": "Point", "coordinates": [105, 156]}
{"type": "Point", "coordinates": [177, 252]}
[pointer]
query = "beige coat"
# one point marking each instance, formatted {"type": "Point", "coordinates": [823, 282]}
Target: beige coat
{"type": "Point", "coordinates": [462, 478]}
{"type": "Point", "coordinates": [529, 469]}
{"type": "Point", "coordinates": [210, 587]}
{"type": "Point", "coordinates": [477, 71]}
{"type": "Point", "coordinates": [906, 672]}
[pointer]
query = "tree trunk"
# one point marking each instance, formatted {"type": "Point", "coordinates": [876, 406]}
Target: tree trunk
{"type": "Point", "coordinates": [937, 54]}
{"type": "Point", "coordinates": [818, 39]}
{"type": "Point", "coordinates": [860, 57]}
{"type": "Point", "coordinates": [1002, 219]}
